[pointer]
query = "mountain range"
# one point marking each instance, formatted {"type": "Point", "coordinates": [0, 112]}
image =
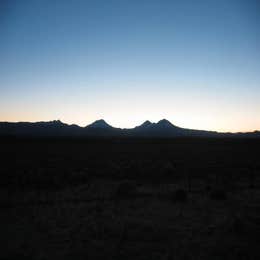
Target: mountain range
{"type": "Point", "coordinates": [101, 128]}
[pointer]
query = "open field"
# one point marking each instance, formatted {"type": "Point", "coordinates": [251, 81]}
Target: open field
{"type": "Point", "coordinates": [130, 199]}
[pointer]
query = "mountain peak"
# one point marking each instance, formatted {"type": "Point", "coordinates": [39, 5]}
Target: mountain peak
{"type": "Point", "coordinates": [51, 123]}
{"type": "Point", "coordinates": [146, 123]}
{"type": "Point", "coordinates": [101, 123]}
{"type": "Point", "coordinates": [164, 122]}
{"type": "Point", "coordinates": [58, 122]}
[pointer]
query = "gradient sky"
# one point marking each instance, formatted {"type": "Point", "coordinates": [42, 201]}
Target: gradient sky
{"type": "Point", "coordinates": [196, 63]}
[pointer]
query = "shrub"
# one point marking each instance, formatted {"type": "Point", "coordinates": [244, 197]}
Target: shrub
{"type": "Point", "coordinates": [218, 194]}
{"type": "Point", "coordinates": [179, 195]}
{"type": "Point", "coordinates": [125, 190]}
{"type": "Point", "coordinates": [207, 188]}
{"type": "Point", "coordinates": [237, 226]}
{"type": "Point", "coordinates": [167, 169]}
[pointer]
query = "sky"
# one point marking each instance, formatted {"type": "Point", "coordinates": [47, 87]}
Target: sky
{"type": "Point", "coordinates": [195, 63]}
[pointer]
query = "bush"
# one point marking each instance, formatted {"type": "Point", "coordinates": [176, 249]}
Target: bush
{"type": "Point", "coordinates": [207, 188]}
{"type": "Point", "coordinates": [179, 195]}
{"type": "Point", "coordinates": [125, 190]}
{"type": "Point", "coordinates": [218, 194]}
{"type": "Point", "coordinates": [237, 226]}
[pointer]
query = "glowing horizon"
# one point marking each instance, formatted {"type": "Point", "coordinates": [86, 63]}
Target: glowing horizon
{"type": "Point", "coordinates": [131, 124]}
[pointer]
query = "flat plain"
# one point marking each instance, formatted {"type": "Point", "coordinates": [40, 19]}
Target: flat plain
{"type": "Point", "coordinates": [193, 198]}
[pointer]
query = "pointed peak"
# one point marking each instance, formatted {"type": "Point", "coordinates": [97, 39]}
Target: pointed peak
{"type": "Point", "coordinates": [146, 123]}
{"type": "Point", "coordinates": [164, 122]}
{"type": "Point", "coordinates": [101, 123]}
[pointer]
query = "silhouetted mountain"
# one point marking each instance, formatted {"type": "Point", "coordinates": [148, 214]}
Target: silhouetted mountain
{"type": "Point", "coordinates": [50, 128]}
{"type": "Point", "coordinates": [165, 124]}
{"type": "Point", "coordinates": [101, 128]}
{"type": "Point", "coordinates": [56, 128]}
{"type": "Point", "coordinates": [144, 125]}
{"type": "Point", "coordinates": [99, 124]}
{"type": "Point", "coordinates": [162, 128]}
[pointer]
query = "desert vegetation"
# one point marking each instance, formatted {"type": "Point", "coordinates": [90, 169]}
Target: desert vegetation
{"type": "Point", "coordinates": [130, 199]}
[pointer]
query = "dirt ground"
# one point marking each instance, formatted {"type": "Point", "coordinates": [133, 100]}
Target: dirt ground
{"type": "Point", "coordinates": [130, 199]}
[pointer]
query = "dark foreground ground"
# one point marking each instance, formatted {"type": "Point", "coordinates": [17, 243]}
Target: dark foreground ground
{"type": "Point", "coordinates": [130, 199]}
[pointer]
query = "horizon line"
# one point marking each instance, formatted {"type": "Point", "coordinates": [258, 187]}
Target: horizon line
{"type": "Point", "coordinates": [63, 122]}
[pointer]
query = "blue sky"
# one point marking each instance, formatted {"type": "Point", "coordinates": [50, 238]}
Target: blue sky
{"type": "Point", "coordinates": [195, 63]}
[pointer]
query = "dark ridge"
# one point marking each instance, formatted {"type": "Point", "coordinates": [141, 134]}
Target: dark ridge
{"type": "Point", "coordinates": [100, 128]}
{"type": "Point", "coordinates": [101, 123]}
